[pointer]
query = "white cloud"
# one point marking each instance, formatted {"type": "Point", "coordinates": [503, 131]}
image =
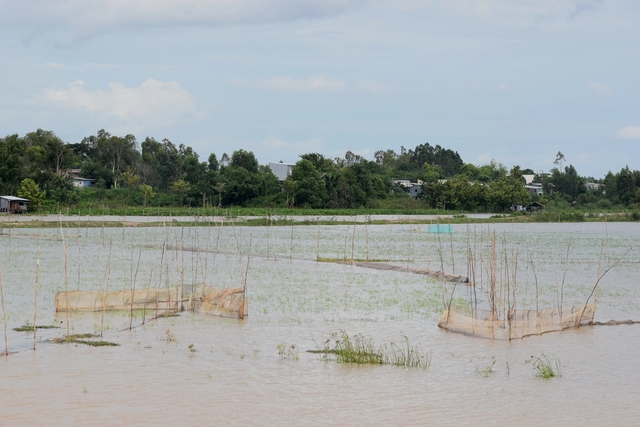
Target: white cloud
{"type": "Point", "coordinates": [79, 19]}
{"type": "Point", "coordinates": [374, 87]}
{"type": "Point", "coordinates": [312, 84]}
{"type": "Point", "coordinates": [600, 89]}
{"type": "Point", "coordinates": [152, 103]}
{"type": "Point", "coordinates": [629, 132]}
{"type": "Point", "coordinates": [503, 87]}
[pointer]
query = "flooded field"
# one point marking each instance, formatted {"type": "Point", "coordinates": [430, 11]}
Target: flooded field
{"type": "Point", "coordinates": [256, 371]}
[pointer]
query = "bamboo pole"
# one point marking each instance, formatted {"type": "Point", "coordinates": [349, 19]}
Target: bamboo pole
{"type": "Point", "coordinates": [291, 243]}
{"type": "Point", "coordinates": [564, 275]}
{"type": "Point", "coordinates": [66, 275]}
{"type": "Point", "coordinates": [366, 232]}
{"type": "Point", "coordinates": [4, 316]}
{"type": "Point", "coordinates": [180, 307]}
{"type": "Point", "coordinates": [35, 301]}
{"type": "Point", "coordinates": [346, 237]}
{"type": "Point", "coordinates": [106, 288]}
{"type": "Point", "coordinates": [353, 239]}
{"type": "Point", "coordinates": [133, 289]}
{"type": "Point", "coordinates": [453, 262]}
{"type": "Point", "coordinates": [318, 244]}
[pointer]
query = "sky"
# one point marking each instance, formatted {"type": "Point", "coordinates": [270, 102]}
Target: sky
{"type": "Point", "coordinates": [512, 80]}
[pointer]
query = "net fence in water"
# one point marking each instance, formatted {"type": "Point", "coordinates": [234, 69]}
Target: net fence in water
{"type": "Point", "coordinates": [205, 299]}
{"type": "Point", "coordinates": [518, 323]}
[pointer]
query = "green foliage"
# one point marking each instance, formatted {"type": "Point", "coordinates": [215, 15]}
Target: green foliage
{"type": "Point", "coordinates": [147, 193]}
{"type": "Point", "coordinates": [544, 366]}
{"type": "Point", "coordinates": [361, 350]}
{"type": "Point", "coordinates": [181, 187]}
{"type": "Point", "coordinates": [30, 190]}
{"type": "Point", "coordinates": [318, 182]}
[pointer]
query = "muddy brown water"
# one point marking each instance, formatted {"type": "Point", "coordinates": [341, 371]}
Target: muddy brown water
{"type": "Point", "coordinates": [237, 377]}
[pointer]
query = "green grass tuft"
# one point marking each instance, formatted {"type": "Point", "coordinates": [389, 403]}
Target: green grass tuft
{"type": "Point", "coordinates": [361, 350]}
{"type": "Point", "coordinates": [545, 367]}
{"type": "Point", "coordinates": [29, 327]}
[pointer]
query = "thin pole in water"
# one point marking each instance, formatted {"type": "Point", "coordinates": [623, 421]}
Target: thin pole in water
{"type": "Point", "coordinates": [106, 288]}
{"type": "Point", "coordinates": [4, 316]}
{"type": "Point", "coordinates": [35, 301]}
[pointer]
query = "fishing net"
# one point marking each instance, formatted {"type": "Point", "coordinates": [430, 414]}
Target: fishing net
{"type": "Point", "coordinates": [229, 302]}
{"type": "Point", "coordinates": [149, 298]}
{"type": "Point", "coordinates": [518, 323]}
{"type": "Point", "coordinates": [205, 299]}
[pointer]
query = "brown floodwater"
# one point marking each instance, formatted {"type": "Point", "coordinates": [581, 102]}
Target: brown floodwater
{"type": "Point", "coordinates": [237, 376]}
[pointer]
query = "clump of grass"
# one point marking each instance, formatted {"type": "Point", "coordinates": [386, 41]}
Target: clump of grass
{"type": "Point", "coordinates": [488, 370]}
{"type": "Point", "coordinates": [192, 348]}
{"type": "Point", "coordinates": [349, 260]}
{"type": "Point", "coordinates": [169, 335]}
{"type": "Point", "coordinates": [96, 343]}
{"type": "Point", "coordinates": [168, 314]}
{"type": "Point", "coordinates": [545, 367]}
{"type": "Point", "coordinates": [82, 339]}
{"type": "Point", "coordinates": [287, 352]}
{"type": "Point", "coordinates": [28, 327]}
{"type": "Point", "coordinates": [362, 350]}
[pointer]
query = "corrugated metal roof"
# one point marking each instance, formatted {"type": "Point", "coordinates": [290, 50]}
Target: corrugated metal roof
{"type": "Point", "coordinates": [15, 199]}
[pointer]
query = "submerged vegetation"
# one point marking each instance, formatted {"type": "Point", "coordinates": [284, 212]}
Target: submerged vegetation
{"type": "Point", "coordinates": [83, 339]}
{"type": "Point", "coordinates": [544, 366]}
{"type": "Point", "coordinates": [362, 350]}
{"type": "Point", "coordinates": [28, 327]}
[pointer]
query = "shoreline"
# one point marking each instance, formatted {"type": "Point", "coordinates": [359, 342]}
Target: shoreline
{"type": "Point", "coordinates": [53, 221]}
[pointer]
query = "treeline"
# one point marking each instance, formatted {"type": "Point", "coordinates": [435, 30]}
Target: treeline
{"type": "Point", "coordinates": [161, 173]}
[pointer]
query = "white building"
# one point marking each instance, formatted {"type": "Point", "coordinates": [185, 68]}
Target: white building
{"type": "Point", "coordinates": [281, 170]}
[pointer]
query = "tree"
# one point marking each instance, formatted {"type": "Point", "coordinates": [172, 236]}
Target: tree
{"type": "Point", "coordinates": [559, 159]}
{"type": "Point", "coordinates": [244, 159]}
{"type": "Point", "coordinates": [310, 188]}
{"type": "Point", "coordinates": [180, 186]}
{"type": "Point", "coordinates": [219, 188]}
{"type": "Point", "coordinates": [147, 194]}
{"type": "Point", "coordinates": [30, 190]}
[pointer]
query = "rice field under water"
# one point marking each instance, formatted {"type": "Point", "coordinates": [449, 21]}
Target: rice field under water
{"type": "Point", "coordinates": [202, 370]}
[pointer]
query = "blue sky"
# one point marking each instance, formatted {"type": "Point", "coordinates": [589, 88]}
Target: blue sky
{"type": "Point", "coordinates": [514, 81]}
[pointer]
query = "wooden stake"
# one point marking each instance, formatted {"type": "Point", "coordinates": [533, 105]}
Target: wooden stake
{"type": "Point", "coordinates": [35, 301]}
{"type": "Point", "coordinates": [133, 289]}
{"type": "Point", "coordinates": [4, 316]}
{"type": "Point", "coordinates": [106, 288]}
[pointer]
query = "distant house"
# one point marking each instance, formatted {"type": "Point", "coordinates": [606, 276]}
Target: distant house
{"type": "Point", "coordinates": [281, 170]}
{"type": "Point", "coordinates": [592, 186]}
{"type": "Point", "coordinates": [413, 188]}
{"type": "Point", "coordinates": [11, 204]}
{"type": "Point", "coordinates": [83, 182]}
{"type": "Point", "coordinates": [535, 189]}
{"type": "Point", "coordinates": [79, 181]}
{"type": "Point", "coordinates": [528, 179]}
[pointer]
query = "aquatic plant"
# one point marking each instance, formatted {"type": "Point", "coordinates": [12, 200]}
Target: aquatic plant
{"type": "Point", "coordinates": [545, 367]}
{"type": "Point", "coordinates": [362, 350]}
{"type": "Point", "coordinates": [169, 335]}
{"type": "Point", "coordinates": [28, 327]}
{"type": "Point", "coordinates": [96, 343]}
{"type": "Point", "coordinates": [287, 351]}
{"type": "Point", "coordinates": [82, 339]}
{"type": "Point", "coordinates": [488, 370]}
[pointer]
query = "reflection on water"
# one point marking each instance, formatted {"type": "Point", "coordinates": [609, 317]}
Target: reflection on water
{"type": "Point", "coordinates": [236, 377]}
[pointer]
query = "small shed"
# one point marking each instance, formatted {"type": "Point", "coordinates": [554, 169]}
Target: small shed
{"type": "Point", "coordinates": [535, 207]}
{"type": "Point", "coordinates": [12, 204]}
{"type": "Point", "coordinates": [80, 182]}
